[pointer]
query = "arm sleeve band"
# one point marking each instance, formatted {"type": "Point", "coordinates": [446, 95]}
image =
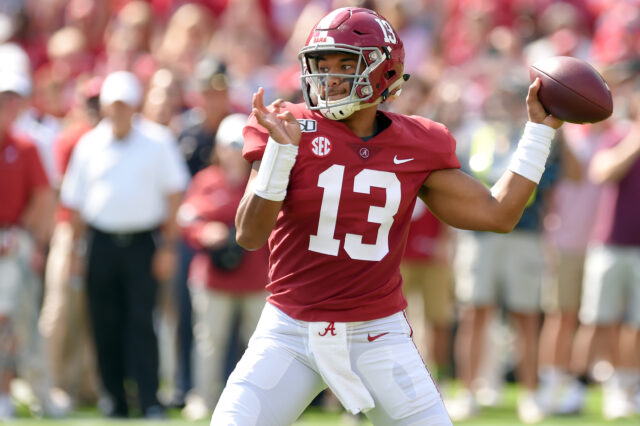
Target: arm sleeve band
{"type": "Point", "coordinates": [273, 176]}
{"type": "Point", "coordinates": [533, 149]}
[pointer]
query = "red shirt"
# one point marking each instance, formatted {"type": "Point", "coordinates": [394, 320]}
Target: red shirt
{"type": "Point", "coordinates": [424, 233]}
{"type": "Point", "coordinates": [211, 197]}
{"type": "Point", "coordinates": [21, 174]}
{"type": "Point", "coordinates": [617, 220]}
{"type": "Point", "coordinates": [340, 236]}
{"type": "Point", "coordinates": [62, 150]}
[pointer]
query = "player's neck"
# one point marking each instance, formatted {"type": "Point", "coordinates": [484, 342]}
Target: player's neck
{"type": "Point", "coordinates": [362, 122]}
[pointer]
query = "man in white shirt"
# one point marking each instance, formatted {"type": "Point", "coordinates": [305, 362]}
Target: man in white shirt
{"type": "Point", "coordinates": [124, 185]}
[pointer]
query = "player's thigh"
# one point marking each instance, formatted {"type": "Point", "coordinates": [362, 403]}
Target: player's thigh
{"type": "Point", "coordinates": [603, 298]}
{"type": "Point", "coordinates": [525, 267]}
{"type": "Point", "coordinates": [396, 377]}
{"type": "Point", "coordinates": [475, 268]}
{"type": "Point", "coordinates": [269, 386]}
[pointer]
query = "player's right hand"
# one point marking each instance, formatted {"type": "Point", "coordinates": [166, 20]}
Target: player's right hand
{"type": "Point", "coordinates": [536, 111]}
{"type": "Point", "coordinates": [282, 126]}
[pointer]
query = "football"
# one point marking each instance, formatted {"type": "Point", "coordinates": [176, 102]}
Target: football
{"type": "Point", "coordinates": [572, 90]}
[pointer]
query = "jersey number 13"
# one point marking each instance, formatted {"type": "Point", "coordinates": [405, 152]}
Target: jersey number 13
{"type": "Point", "coordinates": [331, 181]}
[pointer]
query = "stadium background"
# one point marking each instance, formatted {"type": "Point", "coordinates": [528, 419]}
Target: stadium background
{"type": "Point", "coordinates": [462, 50]}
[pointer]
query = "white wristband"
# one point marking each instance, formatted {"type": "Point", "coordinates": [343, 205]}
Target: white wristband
{"type": "Point", "coordinates": [532, 152]}
{"type": "Point", "coordinates": [273, 175]}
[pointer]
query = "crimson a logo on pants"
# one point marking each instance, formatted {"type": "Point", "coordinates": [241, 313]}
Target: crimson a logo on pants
{"type": "Point", "coordinates": [330, 328]}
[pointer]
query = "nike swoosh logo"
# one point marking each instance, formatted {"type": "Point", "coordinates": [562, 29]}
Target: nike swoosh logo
{"type": "Point", "coordinates": [397, 160]}
{"type": "Point", "coordinates": [377, 336]}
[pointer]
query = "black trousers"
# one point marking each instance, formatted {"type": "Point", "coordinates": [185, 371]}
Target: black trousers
{"type": "Point", "coordinates": [122, 295]}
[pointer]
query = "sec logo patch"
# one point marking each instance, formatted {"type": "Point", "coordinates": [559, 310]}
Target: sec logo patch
{"type": "Point", "coordinates": [321, 146]}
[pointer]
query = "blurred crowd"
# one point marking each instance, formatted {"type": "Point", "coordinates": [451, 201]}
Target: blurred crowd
{"type": "Point", "coordinates": [120, 281]}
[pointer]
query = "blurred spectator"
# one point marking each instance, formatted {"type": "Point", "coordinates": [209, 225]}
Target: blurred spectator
{"type": "Point", "coordinates": [161, 115]}
{"type": "Point", "coordinates": [617, 34]}
{"type": "Point", "coordinates": [612, 267]}
{"type": "Point", "coordinates": [68, 55]}
{"type": "Point", "coordinates": [426, 267]}
{"type": "Point", "coordinates": [224, 279]}
{"type": "Point", "coordinates": [210, 96]}
{"type": "Point", "coordinates": [136, 17]}
{"type": "Point", "coordinates": [127, 42]}
{"type": "Point", "coordinates": [464, 45]}
{"type": "Point", "coordinates": [494, 270]}
{"type": "Point", "coordinates": [211, 105]}
{"type": "Point", "coordinates": [64, 320]}
{"type": "Point", "coordinates": [568, 224]}
{"type": "Point", "coordinates": [428, 287]}
{"type": "Point", "coordinates": [124, 186]}
{"type": "Point", "coordinates": [185, 40]}
{"type": "Point", "coordinates": [91, 18]}
{"type": "Point", "coordinates": [163, 103]}
{"type": "Point", "coordinates": [41, 121]}
{"type": "Point", "coordinates": [563, 32]}
{"type": "Point", "coordinates": [240, 44]}
{"type": "Point", "coordinates": [25, 203]}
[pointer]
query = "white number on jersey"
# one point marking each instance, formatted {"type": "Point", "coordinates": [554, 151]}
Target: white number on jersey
{"type": "Point", "coordinates": [331, 180]}
{"type": "Point", "coordinates": [387, 31]}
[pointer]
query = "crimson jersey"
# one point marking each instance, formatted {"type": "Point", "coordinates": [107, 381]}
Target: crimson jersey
{"type": "Point", "coordinates": [21, 174]}
{"type": "Point", "coordinates": [212, 197]}
{"type": "Point", "coordinates": [340, 236]}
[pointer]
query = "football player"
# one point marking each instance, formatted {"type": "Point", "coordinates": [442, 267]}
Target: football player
{"type": "Point", "coordinates": [333, 186]}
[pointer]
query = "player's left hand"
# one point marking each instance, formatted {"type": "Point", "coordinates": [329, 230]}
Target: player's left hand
{"type": "Point", "coordinates": [282, 126]}
{"type": "Point", "coordinates": [536, 111]}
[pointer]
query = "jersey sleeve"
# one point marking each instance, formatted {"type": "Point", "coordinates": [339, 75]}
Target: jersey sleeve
{"type": "Point", "coordinates": [441, 143]}
{"type": "Point", "coordinates": [255, 140]}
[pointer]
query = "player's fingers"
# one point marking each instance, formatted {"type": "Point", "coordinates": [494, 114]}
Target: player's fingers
{"type": "Point", "coordinates": [533, 89]}
{"type": "Point", "coordinates": [258, 100]}
{"type": "Point", "coordinates": [260, 116]}
{"type": "Point", "coordinates": [287, 116]}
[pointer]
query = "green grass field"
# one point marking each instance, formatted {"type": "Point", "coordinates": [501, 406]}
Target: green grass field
{"type": "Point", "coordinates": [502, 415]}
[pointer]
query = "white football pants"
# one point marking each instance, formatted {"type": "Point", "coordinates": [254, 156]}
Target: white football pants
{"type": "Point", "coordinates": [277, 377]}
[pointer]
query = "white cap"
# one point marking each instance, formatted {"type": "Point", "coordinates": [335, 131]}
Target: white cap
{"type": "Point", "coordinates": [14, 58]}
{"type": "Point", "coordinates": [15, 69]}
{"type": "Point", "coordinates": [121, 86]}
{"type": "Point", "coordinates": [230, 131]}
{"type": "Point", "coordinates": [11, 81]}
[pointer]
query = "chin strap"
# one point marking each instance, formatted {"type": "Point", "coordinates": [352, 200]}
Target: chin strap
{"type": "Point", "coordinates": [395, 89]}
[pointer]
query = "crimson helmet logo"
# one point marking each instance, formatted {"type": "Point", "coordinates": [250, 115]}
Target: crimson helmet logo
{"type": "Point", "coordinates": [364, 152]}
{"type": "Point", "coordinates": [321, 146]}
